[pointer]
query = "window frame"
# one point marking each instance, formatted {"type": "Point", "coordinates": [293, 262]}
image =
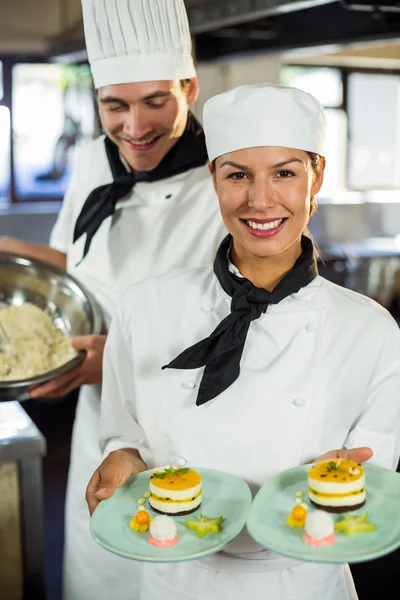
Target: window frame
{"type": "Point", "coordinates": [9, 62]}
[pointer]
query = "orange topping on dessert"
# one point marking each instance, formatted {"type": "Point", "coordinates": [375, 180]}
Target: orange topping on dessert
{"type": "Point", "coordinates": [336, 470]}
{"type": "Point", "coordinates": [181, 479]}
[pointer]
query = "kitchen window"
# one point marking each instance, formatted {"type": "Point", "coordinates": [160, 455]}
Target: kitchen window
{"type": "Point", "coordinates": [374, 126]}
{"type": "Point", "coordinates": [363, 120]}
{"type": "Point", "coordinates": [46, 109]}
{"type": "Point", "coordinates": [1, 82]}
{"type": "Point", "coordinates": [4, 144]}
{"type": "Point", "coordinates": [52, 112]}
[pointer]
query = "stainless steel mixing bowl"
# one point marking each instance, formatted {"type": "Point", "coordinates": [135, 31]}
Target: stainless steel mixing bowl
{"type": "Point", "coordinates": [71, 307]}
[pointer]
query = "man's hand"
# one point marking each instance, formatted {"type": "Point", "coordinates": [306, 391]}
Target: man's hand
{"type": "Point", "coordinates": [358, 455]}
{"type": "Point", "coordinates": [113, 472]}
{"type": "Point", "coordinates": [90, 371]}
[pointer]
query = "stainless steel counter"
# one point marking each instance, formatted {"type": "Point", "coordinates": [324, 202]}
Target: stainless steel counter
{"type": "Point", "coordinates": [22, 443]}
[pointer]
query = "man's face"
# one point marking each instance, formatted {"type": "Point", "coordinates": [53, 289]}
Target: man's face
{"type": "Point", "coordinates": [145, 119]}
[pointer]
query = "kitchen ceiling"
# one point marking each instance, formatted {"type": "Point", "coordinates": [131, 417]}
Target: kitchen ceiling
{"type": "Point", "coordinates": [220, 27]}
{"type": "Point", "coordinates": [236, 26]}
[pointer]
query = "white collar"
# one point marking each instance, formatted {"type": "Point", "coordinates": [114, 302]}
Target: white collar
{"type": "Point", "coordinates": [127, 167]}
{"type": "Point", "coordinates": [233, 269]}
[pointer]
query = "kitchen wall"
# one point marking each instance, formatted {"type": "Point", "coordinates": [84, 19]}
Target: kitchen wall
{"type": "Point", "coordinates": [333, 223]}
{"type": "Point", "coordinates": [32, 224]}
{"type": "Point", "coordinates": [350, 220]}
{"type": "Point", "coordinates": [348, 216]}
{"type": "Point", "coordinates": [341, 223]}
{"type": "Point", "coordinates": [223, 75]}
{"type": "Point", "coordinates": [33, 221]}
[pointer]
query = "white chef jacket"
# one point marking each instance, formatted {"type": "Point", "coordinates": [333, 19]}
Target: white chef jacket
{"type": "Point", "coordinates": [163, 225]}
{"type": "Point", "coordinates": [319, 371]}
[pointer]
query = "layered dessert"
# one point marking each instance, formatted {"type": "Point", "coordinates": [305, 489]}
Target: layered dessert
{"type": "Point", "coordinates": [337, 485]}
{"type": "Point", "coordinates": [175, 491]}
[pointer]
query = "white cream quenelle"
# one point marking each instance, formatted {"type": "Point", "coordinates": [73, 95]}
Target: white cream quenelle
{"type": "Point", "coordinates": [301, 390]}
{"type": "Point", "coordinates": [319, 524]}
{"type": "Point", "coordinates": [163, 528]}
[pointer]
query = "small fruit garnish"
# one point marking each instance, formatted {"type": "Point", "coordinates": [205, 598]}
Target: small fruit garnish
{"type": "Point", "coordinates": [142, 517]}
{"type": "Point", "coordinates": [204, 525]}
{"type": "Point", "coordinates": [351, 525]}
{"type": "Point", "coordinates": [141, 501]}
{"type": "Point", "coordinates": [297, 517]}
{"type": "Point", "coordinates": [141, 522]}
{"type": "Point", "coordinates": [298, 513]}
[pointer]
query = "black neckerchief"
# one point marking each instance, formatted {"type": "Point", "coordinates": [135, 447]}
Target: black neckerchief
{"type": "Point", "coordinates": [188, 153]}
{"type": "Point", "coordinates": [221, 352]}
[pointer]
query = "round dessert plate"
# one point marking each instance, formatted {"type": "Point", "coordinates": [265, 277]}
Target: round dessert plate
{"type": "Point", "coordinates": [272, 505]}
{"type": "Point", "coordinates": [223, 495]}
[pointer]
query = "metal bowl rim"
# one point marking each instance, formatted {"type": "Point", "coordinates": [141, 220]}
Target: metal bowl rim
{"type": "Point", "coordinates": [96, 330]}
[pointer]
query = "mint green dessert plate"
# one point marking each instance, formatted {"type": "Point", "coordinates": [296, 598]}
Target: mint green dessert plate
{"type": "Point", "coordinates": [223, 495]}
{"type": "Point", "coordinates": [272, 505]}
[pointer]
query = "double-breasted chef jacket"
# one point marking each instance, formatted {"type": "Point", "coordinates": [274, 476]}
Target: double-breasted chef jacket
{"type": "Point", "coordinates": [319, 371]}
{"type": "Point", "coordinates": [160, 226]}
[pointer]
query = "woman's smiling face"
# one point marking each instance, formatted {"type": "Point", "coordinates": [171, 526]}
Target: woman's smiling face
{"type": "Point", "coordinates": [264, 195]}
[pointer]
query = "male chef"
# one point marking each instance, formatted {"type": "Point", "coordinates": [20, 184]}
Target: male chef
{"type": "Point", "coordinates": [140, 202]}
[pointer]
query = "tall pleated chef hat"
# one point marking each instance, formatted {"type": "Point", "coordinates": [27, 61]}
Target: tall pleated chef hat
{"type": "Point", "coordinates": [263, 115]}
{"type": "Point", "coordinates": [137, 40]}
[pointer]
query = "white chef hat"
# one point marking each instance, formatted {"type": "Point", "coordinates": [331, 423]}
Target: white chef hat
{"type": "Point", "coordinates": [263, 115]}
{"type": "Point", "coordinates": [137, 40]}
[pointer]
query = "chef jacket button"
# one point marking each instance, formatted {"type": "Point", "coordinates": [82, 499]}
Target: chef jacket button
{"type": "Point", "coordinates": [298, 402]}
{"type": "Point", "coordinates": [310, 327]}
{"type": "Point", "coordinates": [181, 462]}
{"type": "Point", "coordinates": [207, 308]}
{"type": "Point", "coordinates": [188, 385]}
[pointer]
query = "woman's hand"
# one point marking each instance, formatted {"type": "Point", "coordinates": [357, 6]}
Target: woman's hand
{"type": "Point", "coordinates": [358, 455]}
{"type": "Point", "coordinates": [90, 371]}
{"type": "Point", "coordinates": [113, 472]}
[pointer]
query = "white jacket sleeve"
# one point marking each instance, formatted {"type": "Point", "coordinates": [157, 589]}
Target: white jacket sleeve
{"type": "Point", "coordinates": [378, 425]}
{"type": "Point", "coordinates": [119, 427]}
{"type": "Point", "coordinates": [63, 229]}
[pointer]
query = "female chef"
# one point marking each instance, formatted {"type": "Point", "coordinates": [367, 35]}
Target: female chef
{"type": "Point", "coordinates": [266, 364]}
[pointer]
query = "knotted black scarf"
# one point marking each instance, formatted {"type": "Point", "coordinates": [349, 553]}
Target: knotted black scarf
{"type": "Point", "coordinates": [222, 351]}
{"type": "Point", "coordinates": [189, 152]}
